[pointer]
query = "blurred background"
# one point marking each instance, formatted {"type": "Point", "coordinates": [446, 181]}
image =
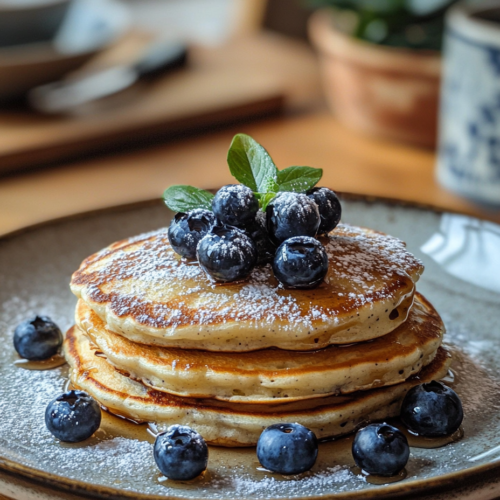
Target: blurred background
{"type": "Point", "coordinates": [105, 102]}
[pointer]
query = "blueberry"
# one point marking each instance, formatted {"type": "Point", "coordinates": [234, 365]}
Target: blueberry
{"type": "Point", "coordinates": [287, 448]}
{"type": "Point", "coordinates": [37, 338]}
{"type": "Point", "coordinates": [329, 208]}
{"type": "Point", "coordinates": [180, 453]}
{"type": "Point", "coordinates": [380, 449]}
{"type": "Point", "coordinates": [73, 416]}
{"type": "Point", "coordinates": [235, 204]}
{"type": "Point", "coordinates": [432, 410]}
{"type": "Point", "coordinates": [227, 254]}
{"type": "Point", "coordinates": [186, 230]}
{"type": "Point", "coordinates": [292, 214]}
{"type": "Point", "coordinates": [257, 230]}
{"type": "Point", "coordinates": [300, 262]}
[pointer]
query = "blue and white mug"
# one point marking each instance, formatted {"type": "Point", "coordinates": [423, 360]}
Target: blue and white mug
{"type": "Point", "coordinates": [469, 129]}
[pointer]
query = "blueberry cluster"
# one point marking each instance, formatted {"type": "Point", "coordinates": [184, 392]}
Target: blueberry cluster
{"type": "Point", "coordinates": [235, 236]}
{"type": "Point", "coordinates": [430, 410]}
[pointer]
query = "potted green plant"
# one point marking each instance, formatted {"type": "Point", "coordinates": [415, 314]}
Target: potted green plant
{"type": "Point", "coordinates": [381, 64]}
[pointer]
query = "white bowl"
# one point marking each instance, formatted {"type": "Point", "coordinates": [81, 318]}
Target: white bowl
{"type": "Point", "coordinates": [89, 27]}
{"type": "Point", "coordinates": [29, 21]}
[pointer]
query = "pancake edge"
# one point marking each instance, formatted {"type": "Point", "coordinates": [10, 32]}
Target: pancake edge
{"type": "Point", "coordinates": [220, 385]}
{"type": "Point", "coordinates": [223, 425]}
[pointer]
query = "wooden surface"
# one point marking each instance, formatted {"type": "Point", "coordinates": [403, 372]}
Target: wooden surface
{"type": "Point", "coordinates": [306, 135]}
{"type": "Point", "coordinates": [351, 163]}
{"type": "Point", "coordinates": [217, 86]}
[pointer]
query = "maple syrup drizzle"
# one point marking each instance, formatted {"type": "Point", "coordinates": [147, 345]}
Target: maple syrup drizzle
{"type": "Point", "coordinates": [262, 471]}
{"type": "Point", "coordinates": [416, 441]}
{"type": "Point", "coordinates": [380, 480]}
{"type": "Point", "coordinates": [153, 429]}
{"type": "Point", "coordinates": [193, 484]}
{"type": "Point", "coordinates": [451, 377]}
{"type": "Point", "coordinates": [46, 364]}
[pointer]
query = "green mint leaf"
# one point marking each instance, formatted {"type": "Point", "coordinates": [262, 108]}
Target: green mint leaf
{"type": "Point", "coordinates": [185, 198]}
{"type": "Point", "coordinates": [265, 199]}
{"type": "Point", "coordinates": [298, 179]}
{"type": "Point", "coordinates": [270, 186]}
{"type": "Point", "coordinates": [251, 164]}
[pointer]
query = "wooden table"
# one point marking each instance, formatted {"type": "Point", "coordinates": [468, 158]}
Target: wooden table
{"type": "Point", "coordinates": [351, 163]}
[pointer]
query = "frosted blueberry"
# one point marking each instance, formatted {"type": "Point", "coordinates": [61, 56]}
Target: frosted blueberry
{"type": "Point", "coordinates": [235, 204]}
{"type": "Point", "coordinates": [329, 208]}
{"type": "Point", "coordinates": [37, 338]}
{"type": "Point", "coordinates": [73, 416]}
{"type": "Point", "coordinates": [226, 253]}
{"type": "Point", "coordinates": [292, 214]}
{"type": "Point", "coordinates": [186, 231]}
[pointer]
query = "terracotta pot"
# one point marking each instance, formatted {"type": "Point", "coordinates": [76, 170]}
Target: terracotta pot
{"type": "Point", "coordinates": [384, 91]}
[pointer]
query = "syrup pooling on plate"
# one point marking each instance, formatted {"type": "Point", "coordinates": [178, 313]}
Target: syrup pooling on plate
{"type": "Point", "coordinates": [431, 443]}
{"type": "Point", "coordinates": [46, 364]}
{"type": "Point", "coordinates": [379, 480]}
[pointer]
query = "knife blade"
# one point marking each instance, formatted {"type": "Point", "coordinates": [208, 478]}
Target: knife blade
{"type": "Point", "coordinates": [65, 95]}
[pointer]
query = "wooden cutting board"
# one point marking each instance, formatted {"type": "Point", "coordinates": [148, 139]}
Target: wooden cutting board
{"type": "Point", "coordinates": [247, 78]}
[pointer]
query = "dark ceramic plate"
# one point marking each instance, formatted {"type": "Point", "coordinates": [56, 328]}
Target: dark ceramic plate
{"type": "Point", "coordinates": [462, 280]}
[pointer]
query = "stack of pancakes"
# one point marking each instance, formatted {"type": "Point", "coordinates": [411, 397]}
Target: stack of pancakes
{"type": "Point", "coordinates": [157, 341]}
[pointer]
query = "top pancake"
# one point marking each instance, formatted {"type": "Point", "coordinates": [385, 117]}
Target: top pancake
{"type": "Point", "coordinates": [141, 289]}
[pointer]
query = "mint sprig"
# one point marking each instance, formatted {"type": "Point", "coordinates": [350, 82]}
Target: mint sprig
{"type": "Point", "coordinates": [298, 179]}
{"type": "Point", "coordinates": [250, 164]}
{"type": "Point", "coordinates": [181, 198]}
{"type": "Point", "coordinates": [265, 199]}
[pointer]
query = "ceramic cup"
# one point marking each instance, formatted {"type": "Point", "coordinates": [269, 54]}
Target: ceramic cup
{"type": "Point", "coordinates": [469, 135]}
{"type": "Point", "coordinates": [29, 21]}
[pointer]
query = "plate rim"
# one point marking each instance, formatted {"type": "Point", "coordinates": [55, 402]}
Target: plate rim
{"type": "Point", "coordinates": [90, 490]}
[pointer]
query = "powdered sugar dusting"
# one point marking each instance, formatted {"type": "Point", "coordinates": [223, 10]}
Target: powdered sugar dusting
{"type": "Point", "coordinates": [150, 283]}
{"type": "Point", "coordinates": [378, 257]}
{"type": "Point", "coordinates": [246, 485]}
{"type": "Point", "coordinates": [298, 205]}
{"type": "Point", "coordinates": [232, 245]}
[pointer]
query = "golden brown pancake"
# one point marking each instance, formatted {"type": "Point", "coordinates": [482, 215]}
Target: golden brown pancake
{"type": "Point", "coordinates": [142, 290]}
{"type": "Point", "coordinates": [233, 424]}
{"type": "Point", "coordinates": [274, 375]}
